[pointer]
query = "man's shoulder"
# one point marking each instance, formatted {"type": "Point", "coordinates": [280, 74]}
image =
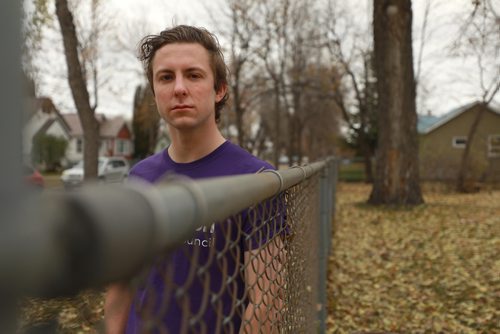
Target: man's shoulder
{"type": "Point", "coordinates": [150, 168]}
{"type": "Point", "coordinates": [246, 162]}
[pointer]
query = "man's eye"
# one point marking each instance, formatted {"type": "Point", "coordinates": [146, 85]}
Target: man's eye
{"type": "Point", "coordinates": [195, 76]}
{"type": "Point", "coordinates": [166, 77]}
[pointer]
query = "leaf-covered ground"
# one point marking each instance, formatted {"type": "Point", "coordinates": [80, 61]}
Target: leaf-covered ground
{"type": "Point", "coordinates": [434, 268]}
{"type": "Point", "coordinates": [71, 315]}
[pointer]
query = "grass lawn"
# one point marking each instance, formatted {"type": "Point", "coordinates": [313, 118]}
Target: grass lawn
{"type": "Point", "coordinates": [52, 181]}
{"type": "Point", "coordinates": [352, 172]}
{"type": "Point", "coordinates": [434, 268]}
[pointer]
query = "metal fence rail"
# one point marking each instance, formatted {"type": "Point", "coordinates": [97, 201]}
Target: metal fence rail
{"type": "Point", "coordinates": [102, 234]}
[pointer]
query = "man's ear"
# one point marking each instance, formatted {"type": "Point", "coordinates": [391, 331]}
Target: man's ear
{"type": "Point", "coordinates": [221, 93]}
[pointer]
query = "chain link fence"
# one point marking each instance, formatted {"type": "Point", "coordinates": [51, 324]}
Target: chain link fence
{"type": "Point", "coordinates": [257, 271]}
{"type": "Point", "coordinates": [239, 254]}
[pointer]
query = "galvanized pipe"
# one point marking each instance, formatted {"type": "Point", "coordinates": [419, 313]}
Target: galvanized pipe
{"type": "Point", "coordinates": [323, 244]}
{"type": "Point", "coordinates": [11, 87]}
{"type": "Point", "coordinates": [104, 233]}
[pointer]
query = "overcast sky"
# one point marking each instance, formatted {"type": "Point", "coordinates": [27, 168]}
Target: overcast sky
{"type": "Point", "coordinates": [449, 81]}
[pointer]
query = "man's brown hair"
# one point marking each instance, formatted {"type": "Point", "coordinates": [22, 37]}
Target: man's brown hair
{"type": "Point", "coordinates": [187, 34]}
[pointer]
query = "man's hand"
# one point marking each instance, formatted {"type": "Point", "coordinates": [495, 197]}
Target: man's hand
{"type": "Point", "coordinates": [116, 307]}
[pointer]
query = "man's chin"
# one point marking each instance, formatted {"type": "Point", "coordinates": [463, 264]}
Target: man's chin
{"type": "Point", "coordinates": [188, 123]}
{"type": "Point", "coordinates": [183, 123]}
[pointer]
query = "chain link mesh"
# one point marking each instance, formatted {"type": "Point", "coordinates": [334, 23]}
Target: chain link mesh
{"type": "Point", "coordinates": [255, 272]}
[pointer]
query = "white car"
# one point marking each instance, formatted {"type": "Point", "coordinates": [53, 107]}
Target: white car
{"type": "Point", "coordinates": [110, 169]}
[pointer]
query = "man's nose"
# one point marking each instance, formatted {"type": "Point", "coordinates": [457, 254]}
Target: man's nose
{"type": "Point", "coordinates": [180, 87]}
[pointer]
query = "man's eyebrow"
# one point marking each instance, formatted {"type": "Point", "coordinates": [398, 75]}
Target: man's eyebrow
{"type": "Point", "coordinates": [195, 68]}
{"type": "Point", "coordinates": [189, 69]}
{"type": "Point", "coordinates": [162, 70]}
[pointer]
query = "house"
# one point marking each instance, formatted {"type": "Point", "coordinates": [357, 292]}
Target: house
{"type": "Point", "coordinates": [116, 137]}
{"type": "Point", "coordinates": [42, 117]}
{"type": "Point", "coordinates": [443, 140]}
{"type": "Point", "coordinates": [163, 140]}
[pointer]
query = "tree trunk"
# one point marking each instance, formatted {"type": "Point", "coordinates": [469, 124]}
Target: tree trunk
{"type": "Point", "coordinates": [277, 125]}
{"type": "Point", "coordinates": [397, 176]}
{"type": "Point", "coordinates": [367, 157]}
{"type": "Point", "coordinates": [299, 149]}
{"type": "Point", "coordinates": [145, 122]}
{"type": "Point", "coordinates": [462, 185]}
{"type": "Point", "coordinates": [291, 138]}
{"type": "Point", "coordinates": [238, 110]}
{"type": "Point", "coordinates": [79, 90]}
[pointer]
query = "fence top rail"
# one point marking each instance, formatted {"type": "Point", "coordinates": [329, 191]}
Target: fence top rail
{"type": "Point", "coordinates": [104, 233]}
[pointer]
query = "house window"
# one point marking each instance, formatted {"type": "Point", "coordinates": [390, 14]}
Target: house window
{"type": "Point", "coordinates": [494, 146]}
{"type": "Point", "coordinates": [121, 146]}
{"type": "Point", "coordinates": [79, 145]}
{"type": "Point", "coordinates": [459, 141]}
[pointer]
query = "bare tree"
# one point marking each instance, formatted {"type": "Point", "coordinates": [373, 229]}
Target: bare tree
{"type": "Point", "coordinates": [78, 85]}
{"type": "Point", "coordinates": [273, 45]}
{"type": "Point", "coordinates": [33, 19]}
{"type": "Point", "coordinates": [397, 176]}
{"type": "Point", "coordinates": [479, 38]}
{"type": "Point", "coordinates": [421, 47]}
{"type": "Point", "coordinates": [81, 36]}
{"type": "Point", "coordinates": [289, 43]}
{"type": "Point", "coordinates": [241, 38]}
{"type": "Point", "coordinates": [145, 117]}
{"type": "Point", "coordinates": [320, 119]}
{"type": "Point", "coordinates": [145, 122]}
{"type": "Point", "coordinates": [303, 81]}
{"type": "Point", "coordinates": [355, 95]}
{"type": "Point", "coordinates": [273, 51]}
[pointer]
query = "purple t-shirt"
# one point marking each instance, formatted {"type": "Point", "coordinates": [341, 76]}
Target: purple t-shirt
{"type": "Point", "coordinates": [219, 309]}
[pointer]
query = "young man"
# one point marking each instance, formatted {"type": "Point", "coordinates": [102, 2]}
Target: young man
{"type": "Point", "coordinates": [186, 71]}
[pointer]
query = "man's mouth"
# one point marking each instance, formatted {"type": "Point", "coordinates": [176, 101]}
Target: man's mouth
{"type": "Point", "coordinates": [181, 106]}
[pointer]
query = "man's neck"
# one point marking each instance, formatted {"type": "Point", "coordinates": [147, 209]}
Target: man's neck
{"type": "Point", "coordinates": [193, 145]}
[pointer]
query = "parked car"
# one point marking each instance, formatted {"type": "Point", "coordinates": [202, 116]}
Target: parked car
{"type": "Point", "coordinates": [109, 170]}
{"type": "Point", "coordinates": [33, 177]}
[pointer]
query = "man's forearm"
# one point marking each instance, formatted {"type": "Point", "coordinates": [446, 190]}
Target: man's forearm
{"type": "Point", "coordinates": [116, 308]}
{"type": "Point", "coordinates": [255, 320]}
{"type": "Point", "coordinates": [264, 280]}
{"type": "Point", "coordinates": [263, 317]}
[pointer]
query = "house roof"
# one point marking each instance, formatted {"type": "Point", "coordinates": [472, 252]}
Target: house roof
{"type": "Point", "coordinates": [35, 104]}
{"type": "Point", "coordinates": [108, 127]}
{"type": "Point", "coordinates": [74, 124]}
{"type": "Point", "coordinates": [45, 127]}
{"type": "Point", "coordinates": [427, 124]}
{"type": "Point", "coordinates": [45, 105]}
{"type": "Point", "coordinates": [111, 127]}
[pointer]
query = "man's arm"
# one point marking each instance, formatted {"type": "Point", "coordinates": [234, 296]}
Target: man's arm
{"type": "Point", "coordinates": [116, 307]}
{"type": "Point", "coordinates": [264, 280]}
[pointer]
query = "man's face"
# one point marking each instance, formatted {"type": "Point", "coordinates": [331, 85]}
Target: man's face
{"type": "Point", "coordinates": [183, 83]}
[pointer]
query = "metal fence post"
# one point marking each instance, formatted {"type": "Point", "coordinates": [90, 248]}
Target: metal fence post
{"type": "Point", "coordinates": [10, 143]}
{"type": "Point", "coordinates": [12, 111]}
{"type": "Point", "coordinates": [323, 244]}
{"type": "Point", "coordinates": [333, 176]}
